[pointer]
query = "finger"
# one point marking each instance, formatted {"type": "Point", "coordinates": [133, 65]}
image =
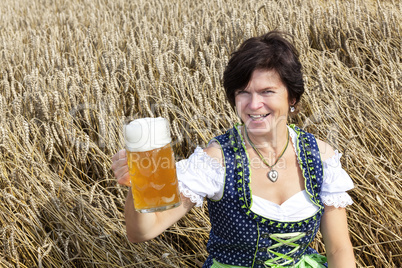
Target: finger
{"type": "Point", "coordinates": [122, 175]}
{"type": "Point", "coordinates": [119, 155]}
{"type": "Point", "coordinates": [124, 180]}
{"type": "Point", "coordinates": [120, 172]}
{"type": "Point", "coordinates": [118, 163]}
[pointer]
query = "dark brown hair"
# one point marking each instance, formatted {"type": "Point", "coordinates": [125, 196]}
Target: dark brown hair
{"type": "Point", "coordinates": [271, 51]}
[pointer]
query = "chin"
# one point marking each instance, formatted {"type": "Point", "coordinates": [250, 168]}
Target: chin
{"type": "Point", "coordinates": [258, 128]}
{"type": "Point", "coordinates": [258, 124]}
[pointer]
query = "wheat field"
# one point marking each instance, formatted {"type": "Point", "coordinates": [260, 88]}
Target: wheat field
{"type": "Point", "coordinates": [72, 72]}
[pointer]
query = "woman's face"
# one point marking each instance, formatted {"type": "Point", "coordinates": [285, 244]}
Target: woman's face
{"type": "Point", "coordinates": [263, 105]}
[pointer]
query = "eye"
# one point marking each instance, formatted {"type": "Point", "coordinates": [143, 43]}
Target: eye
{"type": "Point", "coordinates": [267, 91]}
{"type": "Point", "coordinates": [240, 92]}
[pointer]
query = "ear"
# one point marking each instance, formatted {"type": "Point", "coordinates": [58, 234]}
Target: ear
{"type": "Point", "coordinates": [292, 102]}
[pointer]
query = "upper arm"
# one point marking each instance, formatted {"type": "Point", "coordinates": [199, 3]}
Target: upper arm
{"type": "Point", "coordinates": [334, 227]}
{"type": "Point", "coordinates": [335, 233]}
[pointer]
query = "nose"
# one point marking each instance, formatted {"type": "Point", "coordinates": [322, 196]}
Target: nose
{"type": "Point", "coordinates": [255, 101]}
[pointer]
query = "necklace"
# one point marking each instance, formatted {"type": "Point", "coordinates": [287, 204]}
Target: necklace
{"type": "Point", "coordinates": [272, 174]}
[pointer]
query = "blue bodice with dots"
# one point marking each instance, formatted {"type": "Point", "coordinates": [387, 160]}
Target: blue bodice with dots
{"type": "Point", "coordinates": [241, 237]}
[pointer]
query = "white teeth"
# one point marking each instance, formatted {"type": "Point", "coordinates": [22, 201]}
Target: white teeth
{"type": "Point", "coordinates": [258, 116]}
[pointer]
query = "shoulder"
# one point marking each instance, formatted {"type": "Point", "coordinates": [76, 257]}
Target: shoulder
{"type": "Point", "coordinates": [326, 151]}
{"type": "Point", "coordinates": [214, 151]}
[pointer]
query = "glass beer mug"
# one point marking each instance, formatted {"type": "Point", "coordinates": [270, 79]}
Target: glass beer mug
{"type": "Point", "coordinates": [151, 165]}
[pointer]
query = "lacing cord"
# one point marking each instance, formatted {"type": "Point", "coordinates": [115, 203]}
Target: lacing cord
{"type": "Point", "coordinates": [287, 239]}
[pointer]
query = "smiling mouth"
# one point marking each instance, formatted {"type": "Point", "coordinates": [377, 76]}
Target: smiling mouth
{"type": "Point", "coordinates": [258, 117]}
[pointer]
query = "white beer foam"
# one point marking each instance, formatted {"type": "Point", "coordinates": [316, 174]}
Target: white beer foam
{"type": "Point", "coordinates": [146, 134]}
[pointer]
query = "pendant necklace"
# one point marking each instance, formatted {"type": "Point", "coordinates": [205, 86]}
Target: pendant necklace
{"type": "Point", "coordinates": [272, 174]}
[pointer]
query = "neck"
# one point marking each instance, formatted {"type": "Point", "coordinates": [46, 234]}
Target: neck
{"type": "Point", "coordinates": [269, 142]}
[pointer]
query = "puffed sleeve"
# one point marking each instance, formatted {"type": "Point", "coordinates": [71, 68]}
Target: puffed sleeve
{"type": "Point", "coordinates": [335, 183]}
{"type": "Point", "coordinates": [200, 176]}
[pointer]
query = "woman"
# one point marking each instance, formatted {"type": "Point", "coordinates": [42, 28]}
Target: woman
{"type": "Point", "coordinates": [269, 186]}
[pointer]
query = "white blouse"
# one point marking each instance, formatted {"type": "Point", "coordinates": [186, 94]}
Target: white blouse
{"type": "Point", "coordinates": [201, 176]}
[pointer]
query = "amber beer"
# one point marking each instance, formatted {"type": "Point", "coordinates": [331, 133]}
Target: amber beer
{"type": "Point", "coordinates": [151, 165]}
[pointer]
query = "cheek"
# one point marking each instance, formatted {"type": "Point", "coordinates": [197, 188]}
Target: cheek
{"type": "Point", "coordinates": [239, 107]}
{"type": "Point", "coordinates": [238, 102]}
